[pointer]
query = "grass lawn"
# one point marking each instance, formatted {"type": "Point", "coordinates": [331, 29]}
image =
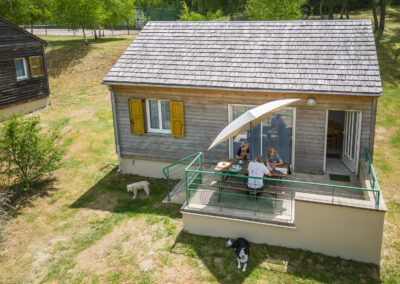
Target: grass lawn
{"type": "Point", "coordinates": [84, 227]}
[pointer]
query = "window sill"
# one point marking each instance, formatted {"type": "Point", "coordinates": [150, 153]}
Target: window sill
{"type": "Point", "coordinates": [157, 134]}
{"type": "Point", "coordinates": [22, 79]}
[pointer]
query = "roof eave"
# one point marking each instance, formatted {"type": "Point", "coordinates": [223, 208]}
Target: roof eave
{"type": "Point", "coordinates": [115, 83]}
{"type": "Point", "coordinates": [45, 43]}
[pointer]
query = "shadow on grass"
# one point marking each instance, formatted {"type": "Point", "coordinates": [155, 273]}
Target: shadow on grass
{"type": "Point", "coordinates": [272, 263]}
{"type": "Point", "coordinates": [266, 263]}
{"type": "Point", "coordinates": [109, 194]}
{"type": "Point", "coordinates": [67, 53]}
{"type": "Point", "coordinates": [24, 198]}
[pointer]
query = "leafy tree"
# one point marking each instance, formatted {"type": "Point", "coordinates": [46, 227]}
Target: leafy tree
{"type": "Point", "coordinates": [27, 153]}
{"type": "Point", "coordinates": [84, 14]}
{"type": "Point", "coordinates": [117, 12]}
{"type": "Point", "coordinates": [26, 11]}
{"type": "Point", "coordinates": [274, 9]}
{"type": "Point", "coordinates": [187, 15]}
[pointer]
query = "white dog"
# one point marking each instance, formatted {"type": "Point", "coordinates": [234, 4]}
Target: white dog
{"type": "Point", "coordinates": [134, 187]}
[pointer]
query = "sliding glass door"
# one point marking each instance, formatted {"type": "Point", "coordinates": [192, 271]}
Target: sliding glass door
{"type": "Point", "coordinates": [351, 140]}
{"type": "Point", "coordinates": [276, 131]}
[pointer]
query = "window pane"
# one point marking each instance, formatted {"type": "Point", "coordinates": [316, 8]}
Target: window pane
{"type": "Point", "coordinates": [19, 68]}
{"type": "Point", "coordinates": [154, 119]}
{"type": "Point", "coordinates": [255, 145]}
{"type": "Point", "coordinates": [166, 123]}
{"type": "Point", "coordinates": [277, 133]}
{"type": "Point", "coordinates": [355, 126]}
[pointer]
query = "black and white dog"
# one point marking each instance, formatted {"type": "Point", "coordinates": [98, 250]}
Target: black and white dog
{"type": "Point", "coordinates": [242, 249]}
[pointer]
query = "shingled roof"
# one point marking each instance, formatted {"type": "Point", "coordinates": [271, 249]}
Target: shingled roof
{"type": "Point", "coordinates": [336, 57]}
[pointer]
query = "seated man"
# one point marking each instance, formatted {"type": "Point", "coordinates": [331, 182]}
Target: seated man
{"type": "Point", "coordinates": [273, 159]}
{"type": "Point", "coordinates": [243, 151]}
{"type": "Point", "coordinates": [257, 169]}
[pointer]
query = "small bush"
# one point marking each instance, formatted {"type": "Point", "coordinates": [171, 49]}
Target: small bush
{"type": "Point", "coordinates": [27, 153]}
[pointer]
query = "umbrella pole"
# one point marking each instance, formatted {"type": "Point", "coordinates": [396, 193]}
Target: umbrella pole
{"type": "Point", "coordinates": [251, 156]}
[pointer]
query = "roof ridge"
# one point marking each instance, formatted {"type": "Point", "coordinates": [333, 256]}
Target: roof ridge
{"type": "Point", "coordinates": [275, 21]}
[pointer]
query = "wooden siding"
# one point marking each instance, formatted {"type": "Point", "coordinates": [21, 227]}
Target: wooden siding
{"type": "Point", "coordinates": [13, 91]}
{"type": "Point", "coordinates": [11, 35]}
{"type": "Point", "coordinates": [206, 113]}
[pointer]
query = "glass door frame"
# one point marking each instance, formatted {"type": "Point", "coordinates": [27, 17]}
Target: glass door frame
{"type": "Point", "coordinates": [357, 154]}
{"type": "Point", "coordinates": [230, 119]}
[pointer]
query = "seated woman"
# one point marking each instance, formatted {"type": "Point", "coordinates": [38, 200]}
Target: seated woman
{"type": "Point", "coordinates": [273, 159]}
{"type": "Point", "coordinates": [243, 151]}
{"type": "Point", "coordinates": [257, 168]}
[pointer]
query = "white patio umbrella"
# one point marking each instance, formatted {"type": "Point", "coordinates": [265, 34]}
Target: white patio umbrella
{"type": "Point", "coordinates": [250, 119]}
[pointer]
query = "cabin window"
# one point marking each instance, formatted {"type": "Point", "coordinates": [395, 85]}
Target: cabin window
{"type": "Point", "coordinates": [158, 116]}
{"type": "Point", "coordinates": [36, 66]}
{"type": "Point", "coordinates": [20, 69]}
{"type": "Point", "coordinates": [276, 131]}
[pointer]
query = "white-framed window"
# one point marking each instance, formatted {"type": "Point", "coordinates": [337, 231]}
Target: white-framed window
{"type": "Point", "coordinates": [158, 117]}
{"type": "Point", "coordinates": [21, 68]}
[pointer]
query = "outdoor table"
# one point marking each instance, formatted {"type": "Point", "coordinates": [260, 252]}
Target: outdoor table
{"type": "Point", "coordinates": [274, 173]}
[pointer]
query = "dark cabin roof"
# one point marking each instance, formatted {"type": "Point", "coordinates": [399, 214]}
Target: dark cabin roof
{"type": "Point", "coordinates": [12, 36]}
{"type": "Point", "coordinates": [335, 57]}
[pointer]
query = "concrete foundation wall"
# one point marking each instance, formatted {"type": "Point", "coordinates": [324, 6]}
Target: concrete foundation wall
{"type": "Point", "coordinates": [350, 233]}
{"type": "Point", "coordinates": [143, 167]}
{"type": "Point", "coordinates": [25, 107]}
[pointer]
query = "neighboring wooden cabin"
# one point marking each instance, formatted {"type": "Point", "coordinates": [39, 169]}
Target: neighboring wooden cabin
{"type": "Point", "coordinates": [180, 83]}
{"type": "Point", "coordinates": [23, 76]}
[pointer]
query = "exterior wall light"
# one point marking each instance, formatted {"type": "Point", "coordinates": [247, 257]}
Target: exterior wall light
{"type": "Point", "coordinates": [311, 102]}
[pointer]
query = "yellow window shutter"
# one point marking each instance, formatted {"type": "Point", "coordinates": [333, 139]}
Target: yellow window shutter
{"type": "Point", "coordinates": [36, 66]}
{"type": "Point", "coordinates": [137, 116]}
{"type": "Point", "coordinates": [177, 118]}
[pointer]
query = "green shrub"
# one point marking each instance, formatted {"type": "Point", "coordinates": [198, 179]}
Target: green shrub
{"type": "Point", "coordinates": [186, 15]}
{"type": "Point", "coordinates": [27, 152]}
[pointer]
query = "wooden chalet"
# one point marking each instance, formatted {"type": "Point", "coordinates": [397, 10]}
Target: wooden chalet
{"type": "Point", "coordinates": [24, 83]}
{"type": "Point", "coordinates": [180, 83]}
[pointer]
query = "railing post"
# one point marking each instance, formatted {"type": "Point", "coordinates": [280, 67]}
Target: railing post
{"type": "Point", "coordinates": [169, 186]}
{"type": "Point", "coordinates": [377, 201]}
{"type": "Point", "coordinates": [291, 202]}
{"type": "Point", "coordinates": [219, 192]}
{"type": "Point", "coordinates": [255, 202]}
{"type": "Point", "coordinates": [186, 187]}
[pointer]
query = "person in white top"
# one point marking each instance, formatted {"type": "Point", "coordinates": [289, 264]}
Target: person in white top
{"type": "Point", "coordinates": [257, 168]}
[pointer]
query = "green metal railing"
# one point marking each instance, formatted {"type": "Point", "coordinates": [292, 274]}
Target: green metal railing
{"type": "Point", "coordinates": [198, 186]}
{"type": "Point", "coordinates": [176, 171]}
{"type": "Point", "coordinates": [371, 171]}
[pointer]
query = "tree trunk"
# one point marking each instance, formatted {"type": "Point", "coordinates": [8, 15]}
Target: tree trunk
{"type": "Point", "coordinates": [31, 28]}
{"type": "Point", "coordinates": [99, 33]}
{"type": "Point", "coordinates": [321, 5]}
{"type": "Point", "coordinates": [127, 26]}
{"type": "Point", "coordinates": [373, 4]}
{"type": "Point", "coordinates": [112, 31]}
{"type": "Point", "coordinates": [383, 15]}
{"type": "Point", "coordinates": [45, 28]}
{"type": "Point", "coordinates": [346, 8]}
{"type": "Point", "coordinates": [95, 34]}
{"type": "Point", "coordinates": [342, 9]}
{"type": "Point", "coordinates": [103, 33]}
{"type": "Point", "coordinates": [84, 37]}
{"type": "Point", "coordinates": [330, 17]}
